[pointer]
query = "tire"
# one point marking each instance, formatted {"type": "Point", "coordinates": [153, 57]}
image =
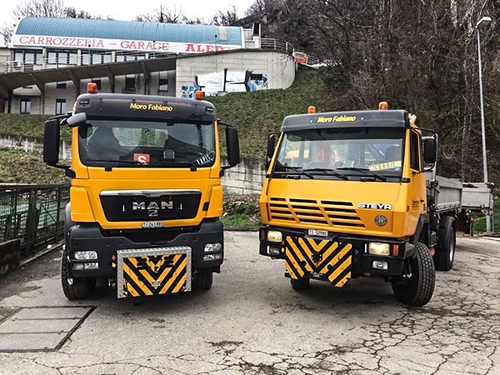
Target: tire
{"type": "Point", "coordinates": [75, 288]}
{"type": "Point", "coordinates": [417, 289]}
{"type": "Point", "coordinates": [300, 284]}
{"type": "Point", "coordinates": [203, 279]}
{"type": "Point", "coordinates": [445, 249]}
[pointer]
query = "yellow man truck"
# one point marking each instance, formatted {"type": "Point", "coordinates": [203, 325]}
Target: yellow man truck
{"type": "Point", "coordinates": [346, 195]}
{"type": "Point", "coordinates": [145, 196]}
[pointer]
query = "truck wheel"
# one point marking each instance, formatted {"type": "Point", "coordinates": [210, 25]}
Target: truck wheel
{"type": "Point", "coordinates": [203, 279]}
{"type": "Point", "coordinates": [417, 286]}
{"type": "Point", "coordinates": [445, 251]}
{"type": "Point", "coordinates": [300, 284]}
{"type": "Point", "coordinates": [75, 288]}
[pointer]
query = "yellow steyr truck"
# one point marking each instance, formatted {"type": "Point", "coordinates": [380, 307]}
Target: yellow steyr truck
{"type": "Point", "coordinates": [345, 196]}
{"type": "Point", "coordinates": [145, 196]}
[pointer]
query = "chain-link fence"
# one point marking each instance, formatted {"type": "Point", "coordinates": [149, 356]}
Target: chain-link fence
{"type": "Point", "coordinates": [33, 214]}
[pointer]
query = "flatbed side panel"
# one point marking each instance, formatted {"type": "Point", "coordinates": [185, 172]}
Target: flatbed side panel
{"type": "Point", "coordinates": [478, 196]}
{"type": "Point", "coordinates": [323, 259]}
{"type": "Point", "coordinates": [148, 272]}
{"type": "Point", "coordinates": [447, 193]}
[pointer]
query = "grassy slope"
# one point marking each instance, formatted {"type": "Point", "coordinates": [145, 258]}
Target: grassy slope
{"type": "Point", "coordinates": [25, 168]}
{"type": "Point", "coordinates": [260, 113]}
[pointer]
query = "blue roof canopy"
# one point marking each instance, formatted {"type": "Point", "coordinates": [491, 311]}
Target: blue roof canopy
{"type": "Point", "coordinates": [122, 30]}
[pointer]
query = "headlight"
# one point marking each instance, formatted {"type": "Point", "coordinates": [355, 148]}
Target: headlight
{"type": "Point", "coordinates": [212, 247]}
{"type": "Point", "coordinates": [85, 255]}
{"type": "Point", "coordinates": [274, 236]}
{"type": "Point", "coordinates": [378, 248]}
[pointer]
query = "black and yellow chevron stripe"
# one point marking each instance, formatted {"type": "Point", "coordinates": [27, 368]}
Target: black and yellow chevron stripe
{"type": "Point", "coordinates": [154, 275]}
{"type": "Point", "coordinates": [309, 256]}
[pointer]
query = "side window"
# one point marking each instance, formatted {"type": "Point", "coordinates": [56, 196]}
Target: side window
{"type": "Point", "coordinates": [415, 151]}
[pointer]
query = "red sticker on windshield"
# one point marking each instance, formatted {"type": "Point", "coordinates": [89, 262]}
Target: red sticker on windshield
{"type": "Point", "coordinates": [142, 158]}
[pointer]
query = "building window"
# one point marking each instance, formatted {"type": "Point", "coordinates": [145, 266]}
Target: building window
{"type": "Point", "coordinates": [60, 106]}
{"type": "Point", "coordinates": [96, 59]}
{"type": "Point", "coordinates": [52, 58]}
{"type": "Point", "coordinates": [61, 85]}
{"type": "Point", "coordinates": [73, 59]}
{"type": "Point", "coordinates": [25, 105]}
{"type": "Point", "coordinates": [130, 82]}
{"type": "Point", "coordinates": [97, 81]}
{"type": "Point", "coordinates": [163, 84]}
{"type": "Point", "coordinates": [62, 58]}
{"type": "Point", "coordinates": [85, 58]}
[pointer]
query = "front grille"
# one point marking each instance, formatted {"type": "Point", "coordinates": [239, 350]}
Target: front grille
{"type": "Point", "coordinates": [145, 208]}
{"type": "Point", "coordinates": [310, 211]}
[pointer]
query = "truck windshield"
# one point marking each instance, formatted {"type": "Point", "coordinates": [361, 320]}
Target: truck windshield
{"type": "Point", "coordinates": [354, 152]}
{"type": "Point", "coordinates": [146, 144]}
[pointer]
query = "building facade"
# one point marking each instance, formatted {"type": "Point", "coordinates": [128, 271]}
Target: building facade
{"type": "Point", "coordinates": [134, 57]}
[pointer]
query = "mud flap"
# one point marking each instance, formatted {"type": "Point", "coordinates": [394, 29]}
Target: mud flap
{"type": "Point", "coordinates": [319, 259]}
{"type": "Point", "coordinates": [156, 271]}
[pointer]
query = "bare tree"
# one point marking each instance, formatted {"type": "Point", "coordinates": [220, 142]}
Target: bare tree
{"type": "Point", "coordinates": [227, 18]}
{"type": "Point", "coordinates": [163, 15]}
{"type": "Point", "coordinates": [418, 54]}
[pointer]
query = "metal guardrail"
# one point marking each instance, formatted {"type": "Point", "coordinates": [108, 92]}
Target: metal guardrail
{"type": "Point", "coordinates": [276, 45]}
{"type": "Point", "coordinates": [34, 214]}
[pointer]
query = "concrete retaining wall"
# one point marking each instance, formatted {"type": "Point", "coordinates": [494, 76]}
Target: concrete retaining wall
{"type": "Point", "coordinates": [32, 144]}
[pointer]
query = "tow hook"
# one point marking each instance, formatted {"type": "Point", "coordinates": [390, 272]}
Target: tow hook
{"type": "Point", "coordinates": [112, 283]}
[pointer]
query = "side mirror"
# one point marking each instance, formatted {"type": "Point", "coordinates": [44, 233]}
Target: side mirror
{"type": "Point", "coordinates": [233, 146]}
{"type": "Point", "coordinates": [51, 142]}
{"type": "Point", "coordinates": [77, 119]}
{"type": "Point", "coordinates": [430, 151]}
{"type": "Point", "coordinates": [271, 145]}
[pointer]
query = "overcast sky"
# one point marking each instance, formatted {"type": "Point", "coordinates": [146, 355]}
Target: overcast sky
{"type": "Point", "coordinates": [128, 10]}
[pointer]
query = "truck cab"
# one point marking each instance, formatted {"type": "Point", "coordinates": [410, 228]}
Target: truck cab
{"type": "Point", "coordinates": [145, 196]}
{"type": "Point", "coordinates": [345, 196]}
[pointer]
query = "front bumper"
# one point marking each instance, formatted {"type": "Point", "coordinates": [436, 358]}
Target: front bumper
{"type": "Point", "coordinates": [335, 257]}
{"type": "Point", "coordinates": [90, 237]}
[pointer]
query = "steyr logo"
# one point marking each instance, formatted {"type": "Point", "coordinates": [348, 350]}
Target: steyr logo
{"type": "Point", "coordinates": [375, 206]}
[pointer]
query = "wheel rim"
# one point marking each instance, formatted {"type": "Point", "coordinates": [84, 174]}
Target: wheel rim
{"type": "Point", "coordinates": [451, 253]}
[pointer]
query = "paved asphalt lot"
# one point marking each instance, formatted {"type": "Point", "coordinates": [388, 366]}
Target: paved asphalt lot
{"type": "Point", "coordinates": [252, 322]}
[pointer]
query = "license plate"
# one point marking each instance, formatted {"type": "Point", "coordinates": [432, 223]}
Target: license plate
{"type": "Point", "coordinates": [317, 232]}
{"type": "Point", "coordinates": [153, 224]}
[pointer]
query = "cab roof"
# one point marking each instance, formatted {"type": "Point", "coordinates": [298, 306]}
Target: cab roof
{"type": "Point", "coordinates": [368, 118]}
{"type": "Point", "coordinates": [145, 107]}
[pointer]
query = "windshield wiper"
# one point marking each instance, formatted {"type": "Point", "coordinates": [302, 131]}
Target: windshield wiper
{"type": "Point", "coordinates": [366, 172]}
{"type": "Point", "coordinates": [328, 171]}
{"type": "Point", "coordinates": [296, 169]}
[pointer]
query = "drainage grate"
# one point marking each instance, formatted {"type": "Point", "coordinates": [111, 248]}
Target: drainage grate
{"type": "Point", "coordinates": [41, 329]}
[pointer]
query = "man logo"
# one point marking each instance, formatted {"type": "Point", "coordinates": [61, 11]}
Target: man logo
{"type": "Point", "coordinates": [136, 206]}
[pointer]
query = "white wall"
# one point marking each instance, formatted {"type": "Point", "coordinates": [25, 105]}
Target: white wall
{"type": "Point", "coordinates": [279, 69]}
